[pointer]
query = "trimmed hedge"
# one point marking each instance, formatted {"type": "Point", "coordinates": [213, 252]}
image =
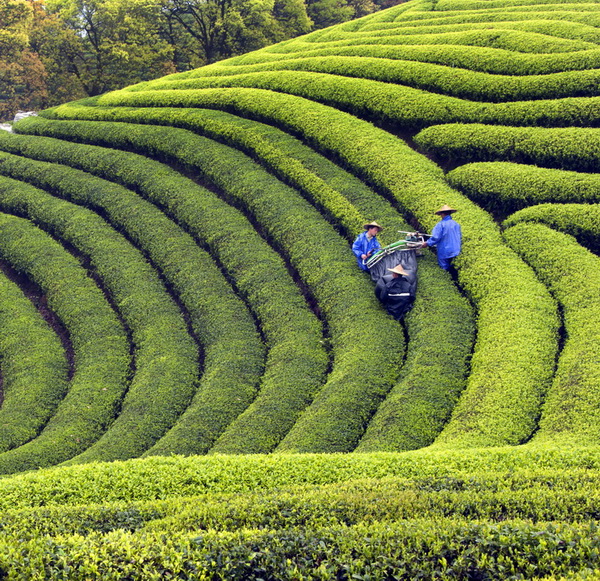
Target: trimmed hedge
{"type": "Point", "coordinates": [34, 367]}
{"type": "Point", "coordinates": [343, 294]}
{"type": "Point", "coordinates": [474, 58]}
{"type": "Point", "coordinates": [513, 40]}
{"type": "Point", "coordinates": [99, 342]}
{"type": "Point", "coordinates": [297, 360]}
{"type": "Point", "coordinates": [571, 413]}
{"type": "Point", "coordinates": [441, 333]}
{"type": "Point", "coordinates": [503, 187]}
{"type": "Point", "coordinates": [166, 357]}
{"type": "Point", "coordinates": [233, 354]}
{"type": "Point", "coordinates": [572, 148]}
{"type": "Point", "coordinates": [495, 278]}
{"type": "Point", "coordinates": [464, 84]}
{"type": "Point", "coordinates": [444, 549]}
{"type": "Point", "coordinates": [579, 220]}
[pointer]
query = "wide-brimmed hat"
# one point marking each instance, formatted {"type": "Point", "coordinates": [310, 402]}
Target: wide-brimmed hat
{"type": "Point", "coordinates": [398, 269]}
{"type": "Point", "coordinates": [372, 225]}
{"type": "Point", "coordinates": [445, 209]}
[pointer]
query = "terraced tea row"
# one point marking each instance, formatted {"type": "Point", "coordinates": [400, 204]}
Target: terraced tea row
{"type": "Point", "coordinates": [529, 511]}
{"type": "Point", "coordinates": [316, 176]}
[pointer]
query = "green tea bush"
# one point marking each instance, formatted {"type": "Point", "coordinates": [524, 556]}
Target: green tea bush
{"type": "Point", "coordinates": [504, 187]}
{"type": "Point", "coordinates": [100, 345]}
{"type": "Point", "coordinates": [573, 148]}
{"type": "Point", "coordinates": [419, 188]}
{"type": "Point", "coordinates": [473, 58]}
{"type": "Point", "coordinates": [34, 367]}
{"type": "Point", "coordinates": [343, 293]}
{"type": "Point", "coordinates": [451, 353]}
{"type": "Point", "coordinates": [579, 220]}
{"type": "Point", "coordinates": [166, 357]}
{"type": "Point", "coordinates": [464, 84]}
{"type": "Point", "coordinates": [296, 362]}
{"type": "Point", "coordinates": [232, 350]}
{"type": "Point", "coordinates": [419, 405]}
{"type": "Point", "coordinates": [571, 272]}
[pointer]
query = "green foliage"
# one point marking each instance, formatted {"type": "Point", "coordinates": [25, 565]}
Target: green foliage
{"type": "Point", "coordinates": [99, 342]}
{"type": "Point", "coordinates": [166, 357]}
{"type": "Point", "coordinates": [34, 367]}
{"type": "Point", "coordinates": [441, 331]}
{"type": "Point", "coordinates": [572, 274]}
{"type": "Point", "coordinates": [503, 187]}
{"type": "Point", "coordinates": [233, 354]}
{"type": "Point", "coordinates": [493, 276]}
{"type": "Point", "coordinates": [343, 293]}
{"type": "Point", "coordinates": [572, 148]}
{"type": "Point", "coordinates": [296, 362]}
{"type": "Point", "coordinates": [579, 220]}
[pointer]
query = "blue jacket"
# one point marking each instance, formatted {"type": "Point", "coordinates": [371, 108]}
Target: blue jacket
{"type": "Point", "coordinates": [446, 234]}
{"type": "Point", "coordinates": [362, 245]}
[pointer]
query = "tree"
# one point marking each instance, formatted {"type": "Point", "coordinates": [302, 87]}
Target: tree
{"type": "Point", "coordinates": [22, 74]}
{"type": "Point", "coordinates": [222, 28]}
{"type": "Point", "coordinates": [112, 43]}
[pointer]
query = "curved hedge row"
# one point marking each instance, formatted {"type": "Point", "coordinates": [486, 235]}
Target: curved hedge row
{"type": "Point", "coordinates": [434, 373]}
{"type": "Point", "coordinates": [474, 58]}
{"type": "Point", "coordinates": [33, 363]}
{"type": "Point", "coordinates": [513, 40]}
{"type": "Point", "coordinates": [452, 347]}
{"type": "Point", "coordinates": [574, 31]}
{"type": "Point", "coordinates": [233, 353]}
{"type": "Point", "coordinates": [342, 293]}
{"type": "Point", "coordinates": [99, 342]}
{"type": "Point", "coordinates": [571, 412]}
{"type": "Point", "coordinates": [503, 187]}
{"type": "Point", "coordinates": [461, 83]}
{"type": "Point", "coordinates": [572, 148]}
{"type": "Point", "coordinates": [297, 361]}
{"type": "Point", "coordinates": [395, 106]}
{"type": "Point", "coordinates": [405, 175]}
{"type": "Point", "coordinates": [166, 357]}
{"type": "Point", "coordinates": [579, 220]}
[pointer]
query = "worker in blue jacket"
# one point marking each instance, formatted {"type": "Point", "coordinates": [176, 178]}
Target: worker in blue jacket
{"type": "Point", "coordinates": [366, 244]}
{"type": "Point", "coordinates": [447, 236]}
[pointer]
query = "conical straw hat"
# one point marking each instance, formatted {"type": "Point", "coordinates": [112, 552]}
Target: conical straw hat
{"type": "Point", "coordinates": [372, 225]}
{"type": "Point", "coordinates": [445, 209]}
{"type": "Point", "coordinates": [398, 269]}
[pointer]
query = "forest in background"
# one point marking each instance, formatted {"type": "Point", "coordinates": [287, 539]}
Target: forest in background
{"type": "Point", "coordinates": [55, 51]}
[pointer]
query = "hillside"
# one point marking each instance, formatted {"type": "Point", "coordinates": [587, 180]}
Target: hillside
{"type": "Point", "coordinates": [186, 244]}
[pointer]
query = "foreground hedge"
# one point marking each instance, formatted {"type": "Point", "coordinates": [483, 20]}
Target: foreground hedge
{"type": "Point", "coordinates": [444, 549]}
{"type": "Point", "coordinates": [101, 348]}
{"type": "Point", "coordinates": [571, 410]}
{"type": "Point", "coordinates": [503, 187]}
{"type": "Point", "coordinates": [34, 366]}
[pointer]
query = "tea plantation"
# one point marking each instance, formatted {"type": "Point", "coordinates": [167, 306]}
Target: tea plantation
{"type": "Point", "coordinates": [199, 383]}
